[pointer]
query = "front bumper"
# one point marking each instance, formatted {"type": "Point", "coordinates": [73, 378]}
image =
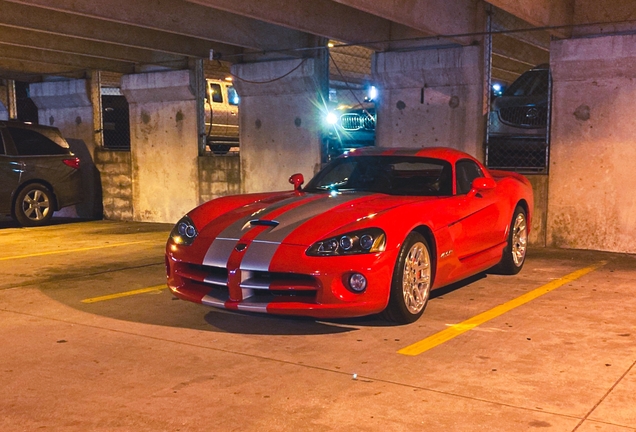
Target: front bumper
{"type": "Point", "coordinates": [295, 284]}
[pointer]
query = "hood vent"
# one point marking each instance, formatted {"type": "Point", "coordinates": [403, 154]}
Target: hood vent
{"type": "Point", "coordinates": [263, 222]}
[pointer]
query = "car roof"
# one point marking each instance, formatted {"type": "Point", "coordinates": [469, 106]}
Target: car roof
{"type": "Point", "coordinates": [444, 153]}
{"type": "Point", "coordinates": [28, 125]}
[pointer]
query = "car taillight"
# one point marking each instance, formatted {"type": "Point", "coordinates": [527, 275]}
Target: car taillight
{"type": "Point", "coordinates": [73, 162]}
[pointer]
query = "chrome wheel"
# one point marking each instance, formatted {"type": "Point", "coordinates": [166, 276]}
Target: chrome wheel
{"type": "Point", "coordinates": [36, 205]}
{"type": "Point", "coordinates": [416, 278]}
{"type": "Point", "coordinates": [519, 239]}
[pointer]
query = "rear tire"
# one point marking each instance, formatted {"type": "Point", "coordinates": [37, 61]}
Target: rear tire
{"type": "Point", "coordinates": [34, 206]}
{"type": "Point", "coordinates": [514, 254]}
{"type": "Point", "coordinates": [411, 282]}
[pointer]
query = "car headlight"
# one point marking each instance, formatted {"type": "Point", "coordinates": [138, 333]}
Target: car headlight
{"type": "Point", "coordinates": [184, 232]}
{"type": "Point", "coordinates": [368, 240]}
{"type": "Point", "coordinates": [332, 118]}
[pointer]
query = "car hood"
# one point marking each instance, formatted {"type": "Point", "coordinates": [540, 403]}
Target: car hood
{"type": "Point", "coordinates": [358, 108]}
{"type": "Point", "coordinates": [302, 219]}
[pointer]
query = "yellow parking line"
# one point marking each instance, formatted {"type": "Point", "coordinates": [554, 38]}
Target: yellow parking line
{"type": "Point", "coordinates": [458, 329]}
{"type": "Point", "coordinates": [73, 250]}
{"type": "Point", "coordinates": [125, 294]}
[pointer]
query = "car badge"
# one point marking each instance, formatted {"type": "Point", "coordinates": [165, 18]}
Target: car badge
{"type": "Point", "coordinates": [241, 247]}
{"type": "Point", "coordinates": [532, 113]}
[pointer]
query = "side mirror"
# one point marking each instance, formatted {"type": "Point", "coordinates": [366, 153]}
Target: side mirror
{"type": "Point", "coordinates": [484, 184]}
{"type": "Point", "coordinates": [297, 180]}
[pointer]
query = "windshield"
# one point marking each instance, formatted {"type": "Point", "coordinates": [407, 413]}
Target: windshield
{"type": "Point", "coordinates": [531, 83]}
{"type": "Point", "coordinates": [392, 175]}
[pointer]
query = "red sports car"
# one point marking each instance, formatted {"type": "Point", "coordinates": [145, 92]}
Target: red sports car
{"type": "Point", "coordinates": [374, 231]}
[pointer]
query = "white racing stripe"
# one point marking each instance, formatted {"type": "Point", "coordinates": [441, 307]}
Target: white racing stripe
{"type": "Point", "coordinates": [259, 253]}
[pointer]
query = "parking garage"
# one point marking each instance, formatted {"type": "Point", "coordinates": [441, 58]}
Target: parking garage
{"type": "Point", "coordinates": [92, 338]}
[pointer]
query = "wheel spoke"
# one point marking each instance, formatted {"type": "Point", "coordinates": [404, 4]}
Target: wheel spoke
{"type": "Point", "coordinates": [36, 205]}
{"type": "Point", "coordinates": [519, 239]}
{"type": "Point", "coordinates": [416, 278]}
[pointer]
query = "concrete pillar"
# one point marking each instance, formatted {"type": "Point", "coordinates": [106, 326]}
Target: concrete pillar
{"type": "Point", "coordinates": [280, 120]}
{"type": "Point", "coordinates": [67, 106]}
{"type": "Point", "coordinates": [591, 201]}
{"type": "Point", "coordinates": [431, 98]}
{"type": "Point", "coordinates": [163, 144]}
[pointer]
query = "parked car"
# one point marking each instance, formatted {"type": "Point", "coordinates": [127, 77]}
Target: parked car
{"type": "Point", "coordinates": [517, 134]}
{"type": "Point", "coordinates": [522, 110]}
{"type": "Point", "coordinates": [221, 116]}
{"type": "Point", "coordinates": [38, 173]}
{"type": "Point", "coordinates": [350, 127]}
{"type": "Point", "coordinates": [374, 231]}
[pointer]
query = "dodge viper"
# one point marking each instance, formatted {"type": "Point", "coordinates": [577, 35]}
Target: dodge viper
{"type": "Point", "coordinates": [374, 231]}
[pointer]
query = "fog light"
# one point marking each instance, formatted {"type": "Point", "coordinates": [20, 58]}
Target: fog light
{"type": "Point", "coordinates": [357, 282]}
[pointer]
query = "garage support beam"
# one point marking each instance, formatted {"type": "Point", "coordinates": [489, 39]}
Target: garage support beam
{"type": "Point", "coordinates": [320, 17]}
{"type": "Point", "coordinates": [541, 13]}
{"type": "Point", "coordinates": [282, 106]}
{"type": "Point", "coordinates": [178, 17]}
{"type": "Point", "coordinates": [82, 47]}
{"type": "Point", "coordinates": [620, 16]}
{"type": "Point", "coordinates": [432, 17]}
{"type": "Point", "coordinates": [63, 61]}
{"type": "Point", "coordinates": [18, 16]}
{"type": "Point", "coordinates": [163, 144]}
{"type": "Point", "coordinates": [431, 98]}
{"type": "Point", "coordinates": [593, 144]}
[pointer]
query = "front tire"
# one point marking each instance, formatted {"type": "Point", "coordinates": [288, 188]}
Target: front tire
{"type": "Point", "coordinates": [411, 282]}
{"type": "Point", "coordinates": [514, 254]}
{"type": "Point", "coordinates": [34, 205]}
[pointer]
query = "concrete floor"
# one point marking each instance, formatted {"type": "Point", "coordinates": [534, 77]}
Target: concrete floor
{"type": "Point", "coordinates": [564, 361]}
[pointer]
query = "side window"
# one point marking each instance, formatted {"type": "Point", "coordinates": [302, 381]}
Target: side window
{"type": "Point", "coordinates": [466, 172]}
{"type": "Point", "coordinates": [217, 96]}
{"type": "Point", "coordinates": [31, 143]}
{"type": "Point", "coordinates": [232, 95]}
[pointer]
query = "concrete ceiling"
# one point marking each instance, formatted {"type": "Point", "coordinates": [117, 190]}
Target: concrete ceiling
{"type": "Point", "coordinates": [69, 37]}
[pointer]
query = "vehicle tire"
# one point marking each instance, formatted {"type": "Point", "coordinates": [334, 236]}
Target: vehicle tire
{"type": "Point", "coordinates": [34, 205]}
{"type": "Point", "coordinates": [514, 254]}
{"type": "Point", "coordinates": [411, 282]}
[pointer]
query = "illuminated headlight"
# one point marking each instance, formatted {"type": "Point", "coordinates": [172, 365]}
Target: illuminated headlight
{"type": "Point", "coordinates": [370, 240]}
{"type": "Point", "coordinates": [332, 118]}
{"type": "Point", "coordinates": [184, 232]}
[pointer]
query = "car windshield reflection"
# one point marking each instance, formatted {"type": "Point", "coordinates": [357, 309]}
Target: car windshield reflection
{"type": "Point", "coordinates": [391, 175]}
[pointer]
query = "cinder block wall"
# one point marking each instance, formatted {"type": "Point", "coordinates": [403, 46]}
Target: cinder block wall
{"type": "Point", "coordinates": [219, 176]}
{"type": "Point", "coordinates": [116, 177]}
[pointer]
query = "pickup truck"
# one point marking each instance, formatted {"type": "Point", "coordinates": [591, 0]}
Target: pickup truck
{"type": "Point", "coordinates": [221, 116]}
